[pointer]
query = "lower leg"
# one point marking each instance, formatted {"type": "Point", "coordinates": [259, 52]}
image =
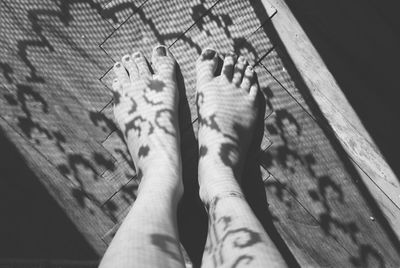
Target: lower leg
{"type": "Point", "coordinates": [148, 236]}
{"type": "Point", "coordinates": [227, 111]}
{"type": "Point", "coordinates": [146, 107]}
{"type": "Point", "coordinates": [236, 237]}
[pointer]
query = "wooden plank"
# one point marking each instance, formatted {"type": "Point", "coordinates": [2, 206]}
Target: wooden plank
{"type": "Point", "coordinates": [34, 97]}
{"type": "Point", "coordinates": [349, 49]}
{"type": "Point", "coordinates": [305, 159]}
{"type": "Point", "coordinates": [49, 100]}
{"type": "Point", "coordinates": [373, 169]}
{"type": "Point", "coordinates": [78, 158]}
{"type": "Point", "coordinates": [90, 219]}
{"type": "Point", "coordinates": [34, 263]}
{"type": "Point", "coordinates": [103, 3]}
{"type": "Point", "coordinates": [300, 231]}
{"type": "Point", "coordinates": [53, 95]}
{"type": "Point", "coordinates": [56, 47]}
{"type": "Point", "coordinates": [124, 169]}
{"type": "Point", "coordinates": [56, 134]}
{"type": "Point", "coordinates": [116, 12]}
{"type": "Point", "coordinates": [156, 22]}
{"type": "Point", "coordinates": [76, 24]}
{"type": "Point", "coordinates": [28, 52]}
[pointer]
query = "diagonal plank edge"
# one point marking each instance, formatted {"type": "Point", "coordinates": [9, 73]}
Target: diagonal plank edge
{"type": "Point", "coordinates": [374, 171]}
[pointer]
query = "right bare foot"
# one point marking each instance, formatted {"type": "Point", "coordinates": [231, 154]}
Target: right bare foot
{"type": "Point", "coordinates": [227, 112]}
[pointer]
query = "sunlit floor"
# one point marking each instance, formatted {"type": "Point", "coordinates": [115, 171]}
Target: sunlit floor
{"type": "Point", "coordinates": [57, 110]}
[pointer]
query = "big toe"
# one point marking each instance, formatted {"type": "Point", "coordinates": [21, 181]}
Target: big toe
{"type": "Point", "coordinates": [206, 65]}
{"type": "Point", "coordinates": [163, 62]}
{"type": "Point", "coordinates": [227, 67]}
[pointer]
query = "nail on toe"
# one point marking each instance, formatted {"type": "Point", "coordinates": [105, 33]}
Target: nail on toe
{"type": "Point", "coordinates": [137, 55]}
{"type": "Point", "coordinates": [161, 51]}
{"type": "Point", "coordinates": [208, 54]}
{"type": "Point", "coordinates": [118, 64]}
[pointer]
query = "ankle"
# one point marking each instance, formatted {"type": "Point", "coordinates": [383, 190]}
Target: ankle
{"type": "Point", "coordinates": [208, 193]}
{"type": "Point", "coordinates": [161, 182]}
{"type": "Point", "coordinates": [216, 180]}
{"type": "Point", "coordinates": [168, 193]}
{"type": "Point", "coordinates": [162, 171]}
{"type": "Point", "coordinates": [162, 165]}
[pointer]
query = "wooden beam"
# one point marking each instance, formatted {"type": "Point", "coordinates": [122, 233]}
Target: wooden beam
{"type": "Point", "coordinates": [376, 174]}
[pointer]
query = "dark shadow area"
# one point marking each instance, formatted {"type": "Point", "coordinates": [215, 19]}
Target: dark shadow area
{"type": "Point", "coordinates": [359, 41]}
{"type": "Point", "coordinates": [192, 218]}
{"type": "Point", "coordinates": [253, 188]}
{"type": "Point", "coordinates": [33, 226]}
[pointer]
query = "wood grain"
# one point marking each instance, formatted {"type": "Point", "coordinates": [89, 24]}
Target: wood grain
{"type": "Point", "coordinates": [373, 169]}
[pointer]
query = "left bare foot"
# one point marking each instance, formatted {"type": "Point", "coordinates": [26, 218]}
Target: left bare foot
{"type": "Point", "coordinates": [146, 109]}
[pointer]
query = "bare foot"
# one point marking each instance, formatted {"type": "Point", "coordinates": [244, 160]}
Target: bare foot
{"type": "Point", "coordinates": [146, 111]}
{"type": "Point", "coordinates": [227, 112]}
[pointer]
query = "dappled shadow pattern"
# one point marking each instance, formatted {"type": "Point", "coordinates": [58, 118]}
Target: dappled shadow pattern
{"type": "Point", "coordinates": [307, 168]}
{"type": "Point", "coordinates": [310, 167]}
{"type": "Point", "coordinates": [50, 94]}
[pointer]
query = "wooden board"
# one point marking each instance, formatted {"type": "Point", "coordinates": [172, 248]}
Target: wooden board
{"type": "Point", "coordinates": [373, 169]}
{"type": "Point", "coordinates": [50, 96]}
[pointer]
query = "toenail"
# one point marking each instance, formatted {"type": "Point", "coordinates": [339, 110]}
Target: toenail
{"type": "Point", "coordinates": [117, 65]}
{"type": "Point", "coordinates": [249, 68]}
{"type": "Point", "coordinates": [126, 58]}
{"type": "Point", "coordinates": [161, 51]}
{"type": "Point", "coordinates": [137, 55]}
{"type": "Point", "coordinates": [241, 59]}
{"type": "Point", "coordinates": [208, 54]}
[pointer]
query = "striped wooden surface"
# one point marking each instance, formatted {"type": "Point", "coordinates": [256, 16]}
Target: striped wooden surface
{"type": "Point", "coordinates": [55, 106]}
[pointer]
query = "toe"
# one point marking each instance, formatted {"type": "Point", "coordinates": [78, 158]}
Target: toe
{"type": "Point", "coordinates": [121, 73]}
{"type": "Point", "coordinates": [116, 86]}
{"type": "Point", "coordinates": [254, 90]}
{"type": "Point", "coordinates": [130, 66]}
{"type": "Point", "coordinates": [117, 91]}
{"type": "Point", "coordinates": [239, 70]}
{"type": "Point", "coordinates": [163, 62]}
{"type": "Point", "coordinates": [142, 65]}
{"type": "Point", "coordinates": [227, 67]}
{"type": "Point", "coordinates": [206, 65]}
{"type": "Point", "coordinates": [248, 79]}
